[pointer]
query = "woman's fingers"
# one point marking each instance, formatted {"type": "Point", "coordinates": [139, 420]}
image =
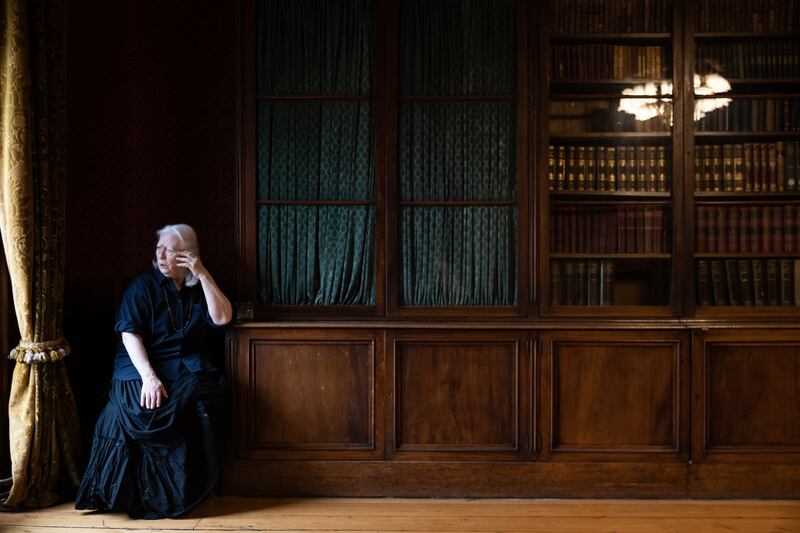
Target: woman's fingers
{"type": "Point", "coordinates": [150, 397]}
{"type": "Point", "coordinates": [190, 261]}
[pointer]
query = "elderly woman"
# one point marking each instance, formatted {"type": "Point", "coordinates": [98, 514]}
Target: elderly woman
{"type": "Point", "coordinates": [155, 447]}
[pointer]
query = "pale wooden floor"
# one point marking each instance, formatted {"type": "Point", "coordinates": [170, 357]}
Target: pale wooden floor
{"type": "Point", "coordinates": [421, 515]}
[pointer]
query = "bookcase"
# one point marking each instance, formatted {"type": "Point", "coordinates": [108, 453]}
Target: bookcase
{"type": "Point", "coordinates": [669, 142]}
{"type": "Point", "coordinates": [586, 246]}
{"type": "Point", "coordinates": [745, 108]}
{"type": "Point", "coordinates": [611, 204]}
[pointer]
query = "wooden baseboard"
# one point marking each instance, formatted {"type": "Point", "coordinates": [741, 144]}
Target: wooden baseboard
{"type": "Point", "coordinates": [744, 480]}
{"type": "Point", "coordinates": [509, 480]}
{"type": "Point", "coordinates": [450, 480]}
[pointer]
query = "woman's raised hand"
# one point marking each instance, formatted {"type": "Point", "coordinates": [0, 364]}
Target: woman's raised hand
{"type": "Point", "coordinates": [189, 260]}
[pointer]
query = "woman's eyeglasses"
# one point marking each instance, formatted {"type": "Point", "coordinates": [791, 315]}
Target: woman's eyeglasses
{"type": "Point", "coordinates": [168, 251]}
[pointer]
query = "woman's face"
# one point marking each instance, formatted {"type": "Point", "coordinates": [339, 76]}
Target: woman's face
{"type": "Point", "coordinates": [167, 256]}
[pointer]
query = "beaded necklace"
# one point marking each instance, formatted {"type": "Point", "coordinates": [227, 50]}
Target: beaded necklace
{"type": "Point", "coordinates": [172, 319]}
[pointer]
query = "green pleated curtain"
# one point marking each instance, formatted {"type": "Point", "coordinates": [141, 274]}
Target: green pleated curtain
{"type": "Point", "coordinates": [457, 150]}
{"type": "Point", "coordinates": [316, 149]}
{"type": "Point", "coordinates": [323, 149]}
{"type": "Point", "coordinates": [43, 423]}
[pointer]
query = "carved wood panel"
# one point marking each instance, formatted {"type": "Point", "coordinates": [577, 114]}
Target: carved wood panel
{"type": "Point", "coordinates": [614, 395]}
{"type": "Point", "coordinates": [459, 393]}
{"type": "Point", "coordinates": [747, 393]}
{"type": "Point", "coordinates": [306, 394]}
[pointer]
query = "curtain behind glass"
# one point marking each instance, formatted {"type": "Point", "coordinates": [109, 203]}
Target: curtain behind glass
{"type": "Point", "coordinates": [315, 149]}
{"type": "Point", "coordinates": [312, 47]}
{"type": "Point", "coordinates": [460, 150]}
{"type": "Point", "coordinates": [459, 256]}
{"type": "Point", "coordinates": [323, 257]}
{"type": "Point", "coordinates": [457, 47]}
{"type": "Point", "coordinates": [457, 151]}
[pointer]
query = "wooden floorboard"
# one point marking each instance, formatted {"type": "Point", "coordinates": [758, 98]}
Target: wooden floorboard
{"type": "Point", "coordinates": [420, 515]}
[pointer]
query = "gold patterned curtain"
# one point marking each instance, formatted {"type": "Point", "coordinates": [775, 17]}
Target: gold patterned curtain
{"type": "Point", "coordinates": [43, 422]}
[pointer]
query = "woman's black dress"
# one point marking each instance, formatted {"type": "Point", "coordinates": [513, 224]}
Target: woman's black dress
{"type": "Point", "coordinates": [156, 463]}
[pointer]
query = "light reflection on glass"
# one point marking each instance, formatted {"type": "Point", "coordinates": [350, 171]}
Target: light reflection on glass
{"type": "Point", "coordinates": [708, 85]}
{"type": "Point", "coordinates": [643, 108]}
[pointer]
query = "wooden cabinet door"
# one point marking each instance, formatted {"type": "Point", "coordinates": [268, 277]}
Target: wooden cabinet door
{"type": "Point", "coordinates": [615, 396]}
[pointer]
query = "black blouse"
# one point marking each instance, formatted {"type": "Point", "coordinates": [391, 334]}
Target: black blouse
{"type": "Point", "coordinates": [173, 324]}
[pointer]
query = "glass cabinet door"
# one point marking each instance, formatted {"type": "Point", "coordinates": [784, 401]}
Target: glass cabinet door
{"type": "Point", "coordinates": [609, 214]}
{"type": "Point", "coordinates": [746, 128]}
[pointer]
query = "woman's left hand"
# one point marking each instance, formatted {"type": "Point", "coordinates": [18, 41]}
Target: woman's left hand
{"type": "Point", "coordinates": [190, 261]}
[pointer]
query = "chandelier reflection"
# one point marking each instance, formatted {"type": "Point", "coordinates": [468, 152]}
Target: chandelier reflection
{"type": "Point", "coordinates": [709, 85]}
{"type": "Point", "coordinates": [654, 99]}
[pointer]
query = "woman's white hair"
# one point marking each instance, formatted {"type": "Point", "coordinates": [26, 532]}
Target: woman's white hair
{"type": "Point", "coordinates": [188, 238]}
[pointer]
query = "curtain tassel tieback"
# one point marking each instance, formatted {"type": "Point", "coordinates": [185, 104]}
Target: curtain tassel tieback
{"type": "Point", "coordinates": [40, 352]}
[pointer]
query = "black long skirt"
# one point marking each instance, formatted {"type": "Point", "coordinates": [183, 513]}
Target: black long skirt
{"type": "Point", "coordinates": [155, 463]}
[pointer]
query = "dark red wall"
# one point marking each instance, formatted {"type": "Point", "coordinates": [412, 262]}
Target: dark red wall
{"type": "Point", "coordinates": [152, 141]}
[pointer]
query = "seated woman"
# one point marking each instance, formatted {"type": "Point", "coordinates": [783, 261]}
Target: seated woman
{"type": "Point", "coordinates": [155, 447]}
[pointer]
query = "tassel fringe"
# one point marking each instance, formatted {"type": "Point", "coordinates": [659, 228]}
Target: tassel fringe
{"type": "Point", "coordinates": [40, 352]}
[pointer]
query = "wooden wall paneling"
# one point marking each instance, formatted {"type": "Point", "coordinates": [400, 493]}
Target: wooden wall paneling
{"type": "Point", "coordinates": [308, 394]}
{"type": "Point", "coordinates": [615, 396]}
{"type": "Point", "coordinates": [458, 395]}
{"type": "Point", "coordinates": [236, 370]}
{"type": "Point", "coordinates": [746, 396]}
{"type": "Point", "coordinates": [239, 385]}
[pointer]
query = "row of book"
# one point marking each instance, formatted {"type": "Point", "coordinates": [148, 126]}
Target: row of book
{"type": "Point", "coordinates": [637, 229]}
{"type": "Point", "coordinates": [609, 61]}
{"type": "Point", "coordinates": [753, 114]}
{"type": "Point", "coordinates": [612, 16]}
{"type": "Point", "coordinates": [747, 228]}
{"type": "Point", "coordinates": [604, 115]}
{"type": "Point", "coordinates": [749, 59]}
{"type": "Point", "coordinates": [747, 15]}
{"type": "Point", "coordinates": [607, 168]}
{"type": "Point", "coordinates": [581, 283]}
{"type": "Point", "coordinates": [756, 282]}
{"type": "Point", "coordinates": [757, 167]}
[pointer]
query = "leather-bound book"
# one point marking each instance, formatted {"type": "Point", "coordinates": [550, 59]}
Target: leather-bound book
{"type": "Point", "coordinates": [703, 286]}
{"type": "Point", "coordinates": [759, 287]}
